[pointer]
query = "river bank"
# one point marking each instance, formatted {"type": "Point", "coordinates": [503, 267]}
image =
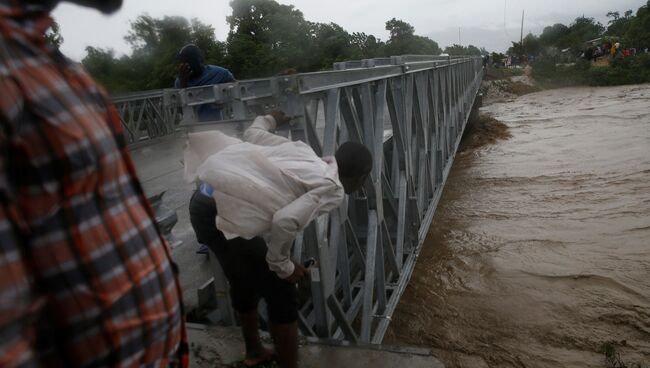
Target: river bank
{"type": "Point", "coordinates": [539, 252]}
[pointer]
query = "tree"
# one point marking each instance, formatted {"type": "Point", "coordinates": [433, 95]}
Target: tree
{"type": "Point", "coordinates": [555, 36]}
{"type": "Point", "coordinates": [583, 29]}
{"type": "Point", "coordinates": [638, 32]}
{"type": "Point", "coordinates": [203, 36]}
{"type": "Point", "coordinates": [530, 45]}
{"type": "Point", "coordinates": [403, 40]}
{"type": "Point", "coordinates": [331, 43]}
{"type": "Point", "coordinates": [366, 46]}
{"type": "Point", "coordinates": [156, 42]}
{"type": "Point", "coordinates": [266, 37]}
{"type": "Point", "coordinates": [459, 50]}
{"type": "Point", "coordinates": [399, 29]}
{"type": "Point", "coordinates": [53, 35]}
{"type": "Point", "coordinates": [618, 25]}
{"type": "Point", "coordinates": [101, 63]}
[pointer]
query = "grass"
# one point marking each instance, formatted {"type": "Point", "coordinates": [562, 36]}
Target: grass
{"type": "Point", "coordinates": [494, 73]}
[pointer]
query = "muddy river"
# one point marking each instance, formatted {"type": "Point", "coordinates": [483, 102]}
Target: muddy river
{"type": "Point", "coordinates": [539, 254]}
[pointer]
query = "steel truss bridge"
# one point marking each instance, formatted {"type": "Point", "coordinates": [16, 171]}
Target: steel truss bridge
{"type": "Point", "coordinates": [410, 111]}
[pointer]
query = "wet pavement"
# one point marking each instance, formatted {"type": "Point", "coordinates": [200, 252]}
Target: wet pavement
{"type": "Point", "coordinates": [159, 166]}
{"type": "Point", "coordinates": [217, 347]}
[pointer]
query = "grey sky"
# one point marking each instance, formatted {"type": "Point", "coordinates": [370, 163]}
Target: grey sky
{"type": "Point", "coordinates": [485, 23]}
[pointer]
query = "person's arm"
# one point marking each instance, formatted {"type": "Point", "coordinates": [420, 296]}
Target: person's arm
{"type": "Point", "coordinates": [288, 221]}
{"type": "Point", "coordinates": [17, 303]}
{"type": "Point", "coordinates": [184, 74]}
{"type": "Point", "coordinates": [228, 76]}
{"type": "Point", "coordinates": [259, 133]}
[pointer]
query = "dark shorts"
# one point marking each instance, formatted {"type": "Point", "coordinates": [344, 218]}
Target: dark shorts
{"type": "Point", "coordinates": [244, 263]}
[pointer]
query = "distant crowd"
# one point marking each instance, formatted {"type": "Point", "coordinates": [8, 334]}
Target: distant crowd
{"type": "Point", "coordinates": [608, 50]}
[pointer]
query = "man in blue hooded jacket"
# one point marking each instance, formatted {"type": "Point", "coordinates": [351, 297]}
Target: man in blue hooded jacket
{"type": "Point", "coordinates": [193, 72]}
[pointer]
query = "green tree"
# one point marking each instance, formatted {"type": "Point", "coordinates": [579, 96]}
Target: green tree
{"type": "Point", "coordinates": [156, 42]}
{"type": "Point", "coordinates": [366, 46]}
{"type": "Point", "coordinates": [107, 70]}
{"type": "Point", "coordinates": [582, 30]}
{"type": "Point", "coordinates": [53, 35]}
{"type": "Point", "coordinates": [203, 36]}
{"type": "Point", "coordinates": [531, 45]}
{"type": "Point", "coordinates": [459, 50]}
{"type": "Point", "coordinates": [618, 25]}
{"type": "Point", "coordinates": [404, 41]}
{"type": "Point", "coordinates": [266, 37]}
{"type": "Point", "coordinates": [399, 29]}
{"type": "Point", "coordinates": [638, 32]}
{"type": "Point", "coordinates": [331, 43]}
{"type": "Point", "coordinates": [555, 36]}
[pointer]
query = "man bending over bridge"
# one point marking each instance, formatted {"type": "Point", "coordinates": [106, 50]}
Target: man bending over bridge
{"type": "Point", "coordinates": [266, 187]}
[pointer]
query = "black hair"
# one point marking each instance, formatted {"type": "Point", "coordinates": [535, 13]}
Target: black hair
{"type": "Point", "coordinates": [353, 159]}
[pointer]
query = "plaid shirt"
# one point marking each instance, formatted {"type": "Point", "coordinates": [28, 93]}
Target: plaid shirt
{"type": "Point", "coordinates": [86, 278]}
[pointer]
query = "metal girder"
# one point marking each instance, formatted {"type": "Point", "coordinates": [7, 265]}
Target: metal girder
{"type": "Point", "coordinates": [409, 110]}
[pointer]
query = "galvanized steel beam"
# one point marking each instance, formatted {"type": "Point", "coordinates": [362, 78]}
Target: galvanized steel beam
{"type": "Point", "coordinates": [410, 111]}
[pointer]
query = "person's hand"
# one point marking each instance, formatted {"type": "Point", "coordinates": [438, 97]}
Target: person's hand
{"type": "Point", "coordinates": [280, 118]}
{"type": "Point", "coordinates": [299, 272]}
{"type": "Point", "coordinates": [184, 74]}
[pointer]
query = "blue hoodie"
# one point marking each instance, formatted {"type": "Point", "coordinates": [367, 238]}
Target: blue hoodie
{"type": "Point", "coordinates": [212, 74]}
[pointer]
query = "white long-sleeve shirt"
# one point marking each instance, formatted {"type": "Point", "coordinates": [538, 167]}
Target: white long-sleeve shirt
{"type": "Point", "coordinates": [265, 186]}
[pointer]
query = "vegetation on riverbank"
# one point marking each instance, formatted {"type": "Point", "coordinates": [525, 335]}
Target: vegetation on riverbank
{"type": "Point", "coordinates": [562, 42]}
{"type": "Point", "coordinates": [631, 70]}
{"type": "Point", "coordinates": [555, 51]}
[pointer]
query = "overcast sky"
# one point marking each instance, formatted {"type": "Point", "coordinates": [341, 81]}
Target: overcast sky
{"type": "Point", "coordinates": [487, 23]}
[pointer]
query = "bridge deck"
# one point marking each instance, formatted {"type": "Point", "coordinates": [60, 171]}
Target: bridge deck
{"type": "Point", "coordinates": [159, 168]}
{"type": "Point", "coordinates": [221, 347]}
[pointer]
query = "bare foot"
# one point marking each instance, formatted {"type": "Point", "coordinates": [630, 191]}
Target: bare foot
{"type": "Point", "coordinates": [255, 358]}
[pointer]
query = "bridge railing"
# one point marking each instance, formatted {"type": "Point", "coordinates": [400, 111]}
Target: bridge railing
{"type": "Point", "coordinates": [410, 111]}
{"type": "Point", "coordinates": [145, 115]}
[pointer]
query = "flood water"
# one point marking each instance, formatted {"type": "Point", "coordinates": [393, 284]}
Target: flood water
{"type": "Point", "coordinates": [539, 253]}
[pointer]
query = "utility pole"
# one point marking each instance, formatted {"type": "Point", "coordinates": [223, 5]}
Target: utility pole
{"type": "Point", "coordinates": [460, 43]}
{"type": "Point", "coordinates": [521, 40]}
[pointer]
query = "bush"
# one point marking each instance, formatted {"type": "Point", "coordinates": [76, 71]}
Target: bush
{"type": "Point", "coordinates": [631, 70]}
{"type": "Point", "coordinates": [549, 74]}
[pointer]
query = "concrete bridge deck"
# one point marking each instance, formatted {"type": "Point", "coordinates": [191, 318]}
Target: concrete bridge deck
{"type": "Point", "coordinates": [212, 347]}
{"type": "Point", "coordinates": [160, 169]}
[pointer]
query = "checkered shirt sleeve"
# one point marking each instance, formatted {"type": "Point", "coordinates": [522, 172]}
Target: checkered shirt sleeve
{"type": "Point", "coordinates": [87, 279]}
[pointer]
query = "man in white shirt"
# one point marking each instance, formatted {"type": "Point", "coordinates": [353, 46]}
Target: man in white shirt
{"type": "Point", "coordinates": [265, 187]}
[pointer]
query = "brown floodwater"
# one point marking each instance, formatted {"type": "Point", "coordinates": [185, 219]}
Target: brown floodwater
{"type": "Point", "coordinates": [539, 253]}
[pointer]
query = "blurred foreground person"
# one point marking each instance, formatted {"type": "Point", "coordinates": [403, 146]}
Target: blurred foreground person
{"type": "Point", "coordinates": [87, 279]}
